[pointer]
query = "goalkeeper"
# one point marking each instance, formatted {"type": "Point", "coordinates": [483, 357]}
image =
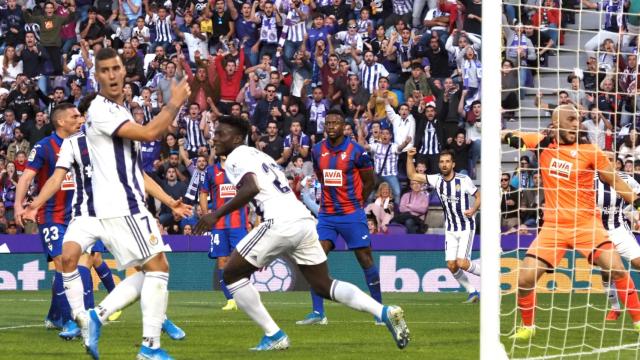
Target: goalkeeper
{"type": "Point", "coordinates": [571, 217]}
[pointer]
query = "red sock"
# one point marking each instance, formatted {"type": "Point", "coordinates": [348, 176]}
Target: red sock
{"type": "Point", "coordinates": [628, 296]}
{"type": "Point", "coordinates": [527, 305]}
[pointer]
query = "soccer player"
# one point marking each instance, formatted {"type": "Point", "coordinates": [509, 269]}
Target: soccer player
{"type": "Point", "coordinates": [230, 229]}
{"type": "Point", "coordinates": [287, 229]}
{"type": "Point", "coordinates": [571, 218]}
{"type": "Point", "coordinates": [454, 190]}
{"type": "Point", "coordinates": [118, 202]}
{"type": "Point", "coordinates": [54, 216]}
{"type": "Point", "coordinates": [346, 172]}
{"type": "Point", "coordinates": [613, 218]}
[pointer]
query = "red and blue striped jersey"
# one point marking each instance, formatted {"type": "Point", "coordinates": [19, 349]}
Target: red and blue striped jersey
{"type": "Point", "coordinates": [42, 160]}
{"type": "Point", "coordinates": [338, 169]}
{"type": "Point", "coordinates": [221, 191]}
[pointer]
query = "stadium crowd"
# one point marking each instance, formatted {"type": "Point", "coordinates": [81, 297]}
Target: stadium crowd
{"type": "Point", "coordinates": [603, 88]}
{"type": "Point", "coordinates": [408, 79]}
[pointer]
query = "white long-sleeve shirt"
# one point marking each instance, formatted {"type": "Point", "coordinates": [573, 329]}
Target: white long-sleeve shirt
{"type": "Point", "coordinates": [401, 128]}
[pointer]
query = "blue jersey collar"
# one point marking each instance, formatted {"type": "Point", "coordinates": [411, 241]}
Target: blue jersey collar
{"type": "Point", "coordinates": [340, 147]}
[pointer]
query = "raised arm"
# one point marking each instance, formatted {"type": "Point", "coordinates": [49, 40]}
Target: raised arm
{"type": "Point", "coordinates": [411, 169]}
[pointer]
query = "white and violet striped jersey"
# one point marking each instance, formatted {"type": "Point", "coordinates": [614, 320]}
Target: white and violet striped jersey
{"type": "Point", "coordinates": [74, 157]}
{"type": "Point", "coordinates": [117, 178]}
{"type": "Point", "coordinates": [612, 205]}
{"type": "Point", "coordinates": [455, 198]}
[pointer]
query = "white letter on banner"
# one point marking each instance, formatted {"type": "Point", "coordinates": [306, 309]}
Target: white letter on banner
{"type": "Point", "coordinates": [389, 276]}
{"type": "Point", "coordinates": [7, 281]}
{"type": "Point", "coordinates": [438, 279]}
{"type": "Point", "coordinates": [30, 275]}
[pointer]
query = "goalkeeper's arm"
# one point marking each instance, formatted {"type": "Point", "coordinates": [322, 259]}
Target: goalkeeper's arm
{"type": "Point", "coordinates": [512, 140]}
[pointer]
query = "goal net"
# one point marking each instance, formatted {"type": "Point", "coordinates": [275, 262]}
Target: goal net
{"type": "Point", "coordinates": [564, 52]}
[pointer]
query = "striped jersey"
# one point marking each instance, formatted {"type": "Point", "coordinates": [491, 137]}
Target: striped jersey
{"type": "Point", "coordinates": [338, 169]}
{"type": "Point", "coordinates": [612, 205]}
{"type": "Point", "coordinates": [370, 75]}
{"type": "Point", "coordinates": [220, 190]}
{"type": "Point", "coordinates": [162, 26]}
{"type": "Point", "coordinates": [42, 160]}
{"type": "Point", "coordinates": [195, 137]}
{"type": "Point", "coordinates": [454, 196]}
{"type": "Point", "coordinates": [116, 162]}
{"type": "Point", "coordinates": [401, 7]}
{"type": "Point", "coordinates": [275, 199]}
{"type": "Point", "coordinates": [430, 145]}
{"type": "Point", "coordinates": [74, 157]}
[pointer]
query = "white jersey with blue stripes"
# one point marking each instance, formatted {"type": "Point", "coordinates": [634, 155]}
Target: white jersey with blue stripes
{"type": "Point", "coordinates": [455, 198]}
{"type": "Point", "coordinates": [74, 157]}
{"type": "Point", "coordinates": [116, 163]}
{"type": "Point", "coordinates": [612, 205]}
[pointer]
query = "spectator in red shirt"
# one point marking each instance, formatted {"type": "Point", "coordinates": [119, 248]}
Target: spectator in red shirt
{"type": "Point", "coordinates": [230, 75]}
{"type": "Point", "coordinates": [547, 19]}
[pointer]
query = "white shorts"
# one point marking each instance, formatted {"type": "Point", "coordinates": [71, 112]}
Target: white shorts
{"type": "Point", "coordinates": [273, 238]}
{"type": "Point", "coordinates": [458, 244]}
{"type": "Point", "coordinates": [625, 242]}
{"type": "Point", "coordinates": [85, 231]}
{"type": "Point", "coordinates": [132, 240]}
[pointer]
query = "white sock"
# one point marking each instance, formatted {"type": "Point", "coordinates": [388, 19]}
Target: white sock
{"type": "Point", "coordinates": [74, 290]}
{"type": "Point", "coordinates": [126, 292]}
{"type": "Point", "coordinates": [247, 298]}
{"type": "Point", "coordinates": [351, 296]}
{"type": "Point", "coordinates": [474, 268]}
{"type": "Point", "coordinates": [153, 301]}
{"type": "Point", "coordinates": [464, 281]}
{"type": "Point", "coordinates": [612, 294]}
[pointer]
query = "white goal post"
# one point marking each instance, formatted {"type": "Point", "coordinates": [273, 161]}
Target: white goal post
{"type": "Point", "coordinates": [490, 345]}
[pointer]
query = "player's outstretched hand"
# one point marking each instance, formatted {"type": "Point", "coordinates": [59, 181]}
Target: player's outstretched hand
{"type": "Point", "coordinates": [181, 209]}
{"type": "Point", "coordinates": [180, 92]}
{"type": "Point", "coordinates": [205, 224]}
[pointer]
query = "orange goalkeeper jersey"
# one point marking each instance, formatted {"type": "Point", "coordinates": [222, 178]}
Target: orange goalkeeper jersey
{"type": "Point", "coordinates": [567, 179]}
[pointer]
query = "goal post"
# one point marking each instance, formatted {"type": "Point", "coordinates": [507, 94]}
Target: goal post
{"type": "Point", "coordinates": [490, 345]}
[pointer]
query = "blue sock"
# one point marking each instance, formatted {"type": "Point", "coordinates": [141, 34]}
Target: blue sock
{"type": "Point", "coordinates": [54, 313]}
{"type": "Point", "coordinates": [87, 284]}
{"type": "Point", "coordinates": [373, 282]}
{"type": "Point", "coordinates": [318, 303]}
{"type": "Point", "coordinates": [105, 275]}
{"type": "Point", "coordinates": [61, 298]}
{"type": "Point", "coordinates": [223, 286]}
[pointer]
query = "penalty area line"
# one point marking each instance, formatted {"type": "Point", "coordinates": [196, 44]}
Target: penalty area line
{"type": "Point", "coordinates": [584, 353]}
{"type": "Point", "coordinates": [20, 327]}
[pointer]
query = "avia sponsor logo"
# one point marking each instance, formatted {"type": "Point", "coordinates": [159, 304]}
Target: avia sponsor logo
{"type": "Point", "coordinates": [68, 184]}
{"type": "Point", "coordinates": [332, 177]}
{"type": "Point", "coordinates": [560, 168]}
{"type": "Point", "coordinates": [227, 191]}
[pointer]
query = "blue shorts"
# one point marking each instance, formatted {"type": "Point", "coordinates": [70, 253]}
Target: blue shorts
{"type": "Point", "coordinates": [99, 247]}
{"type": "Point", "coordinates": [353, 229]}
{"type": "Point", "coordinates": [52, 235]}
{"type": "Point", "coordinates": [223, 241]}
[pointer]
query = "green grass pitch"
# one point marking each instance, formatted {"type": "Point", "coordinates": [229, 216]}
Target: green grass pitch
{"type": "Point", "coordinates": [564, 328]}
{"type": "Point", "coordinates": [441, 328]}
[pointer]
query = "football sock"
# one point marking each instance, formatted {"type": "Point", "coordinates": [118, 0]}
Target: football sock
{"type": "Point", "coordinates": [612, 294]}
{"type": "Point", "coordinates": [223, 286]}
{"type": "Point", "coordinates": [105, 275]}
{"type": "Point", "coordinates": [127, 291]}
{"type": "Point", "coordinates": [464, 281]}
{"type": "Point", "coordinates": [74, 289]}
{"type": "Point", "coordinates": [153, 301]}
{"type": "Point", "coordinates": [87, 284]}
{"type": "Point", "coordinates": [373, 282]}
{"type": "Point", "coordinates": [318, 303]}
{"type": "Point", "coordinates": [61, 298]}
{"type": "Point", "coordinates": [527, 305]}
{"type": "Point", "coordinates": [54, 313]}
{"type": "Point", "coordinates": [248, 300]}
{"type": "Point", "coordinates": [474, 268]}
{"type": "Point", "coordinates": [628, 296]}
{"type": "Point", "coordinates": [351, 296]}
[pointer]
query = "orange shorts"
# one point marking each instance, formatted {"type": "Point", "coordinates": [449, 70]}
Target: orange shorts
{"type": "Point", "coordinates": [554, 240]}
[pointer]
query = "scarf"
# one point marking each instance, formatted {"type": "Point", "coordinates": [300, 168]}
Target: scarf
{"type": "Point", "coordinates": [469, 66]}
{"type": "Point", "coordinates": [197, 179]}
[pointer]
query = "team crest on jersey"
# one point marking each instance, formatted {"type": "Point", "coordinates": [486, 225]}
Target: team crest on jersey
{"type": "Point", "coordinates": [332, 177]}
{"type": "Point", "coordinates": [32, 154]}
{"type": "Point", "coordinates": [457, 187]}
{"type": "Point", "coordinates": [560, 168]}
{"type": "Point", "coordinates": [343, 156]}
{"type": "Point", "coordinates": [153, 240]}
{"type": "Point", "coordinates": [227, 191]}
{"type": "Point", "coordinates": [68, 184]}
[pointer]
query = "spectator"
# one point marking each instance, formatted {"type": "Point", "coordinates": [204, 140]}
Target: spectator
{"type": "Point", "coordinates": [92, 30]}
{"type": "Point", "coordinates": [371, 72]}
{"type": "Point", "coordinates": [19, 144]}
{"type": "Point", "coordinates": [204, 85]}
{"type": "Point", "coordinates": [317, 108]}
{"type": "Point", "coordinates": [461, 147]}
{"type": "Point", "coordinates": [509, 204]}
{"type": "Point", "coordinates": [8, 182]}
{"type": "Point", "coordinates": [372, 224]}
{"type": "Point", "coordinates": [413, 209]}
{"type": "Point", "coordinates": [380, 98]}
{"type": "Point", "coordinates": [14, 24]}
{"type": "Point", "coordinates": [531, 203]}
{"type": "Point", "coordinates": [8, 127]}
{"type": "Point", "coordinates": [523, 176]}
{"type": "Point", "coordinates": [37, 129]}
{"type": "Point", "coordinates": [429, 138]}
{"type": "Point", "coordinates": [267, 108]}
{"type": "Point", "coordinates": [272, 144]}
{"type": "Point", "coordinates": [296, 143]}
{"type": "Point", "coordinates": [382, 207]}
{"type": "Point", "coordinates": [174, 188]}
{"type": "Point", "coordinates": [11, 64]}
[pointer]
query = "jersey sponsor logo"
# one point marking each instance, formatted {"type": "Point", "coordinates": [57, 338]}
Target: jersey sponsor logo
{"type": "Point", "coordinates": [560, 168]}
{"type": "Point", "coordinates": [227, 191]}
{"type": "Point", "coordinates": [332, 177]}
{"type": "Point", "coordinates": [68, 184]}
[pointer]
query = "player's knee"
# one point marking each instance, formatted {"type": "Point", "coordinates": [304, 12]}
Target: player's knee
{"type": "Point", "coordinates": [452, 266]}
{"type": "Point", "coordinates": [526, 282]}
